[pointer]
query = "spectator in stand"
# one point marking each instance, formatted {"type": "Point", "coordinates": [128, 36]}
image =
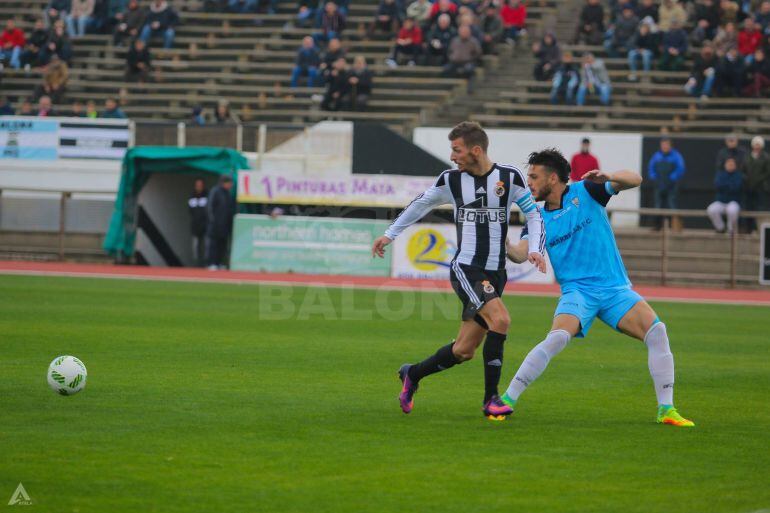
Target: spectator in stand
{"type": "Point", "coordinates": [336, 85]}
{"type": "Point", "coordinates": [35, 44]}
{"type": "Point", "coordinates": [138, 62]}
{"type": "Point", "coordinates": [160, 21]}
{"type": "Point", "coordinates": [78, 110]}
{"type": "Point", "coordinates": [492, 30]}
{"type": "Point", "coordinates": [54, 80]}
{"type": "Point", "coordinates": [332, 23]}
{"type": "Point", "coordinates": [622, 32]}
{"type": "Point", "coordinates": [548, 55]}
{"type": "Point", "coordinates": [464, 53]}
{"type": "Point", "coordinates": [408, 43]}
{"type": "Point", "coordinates": [703, 74]}
{"type": "Point", "coordinates": [594, 79]}
{"type": "Point", "coordinates": [6, 109]}
{"type": "Point", "coordinates": [669, 13]}
{"type": "Point", "coordinates": [112, 110]}
{"type": "Point", "coordinates": [26, 109]}
{"type": "Point", "coordinates": [109, 14]}
{"type": "Point", "coordinates": [198, 204]}
{"type": "Point", "coordinates": [12, 42]}
{"type": "Point", "coordinates": [359, 87]}
{"type": "Point", "coordinates": [583, 161]}
{"type": "Point", "coordinates": [674, 48]}
{"type": "Point", "coordinates": [79, 17]}
{"type": "Point", "coordinates": [706, 21]}
{"type": "Point", "coordinates": [726, 38]}
{"type": "Point", "coordinates": [438, 40]}
{"type": "Point", "coordinates": [221, 210]}
{"type": "Point", "coordinates": [334, 51]}
{"type": "Point", "coordinates": [644, 44]}
{"type": "Point", "coordinates": [565, 80]}
{"type": "Point", "coordinates": [757, 74]}
{"type": "Point", "coordinates": [56, 10]}
{"type": "Point", "coordinates": [91, 112]}
{"type": "Point", "coordinates": [590, 28]}
{"type": "Point", "coordinates": [242, 6]}
{"type": "Point", "coordinates": [749, 39]}
{"type": "Point", "coordinates": [648, 8]}
{"type": "Point", "coordinates": [666, 169]}
{"type": "Point", "coordinates": [45, 107]}
{"type": "Point", "coordinates": [731, 149]}
{"type": "Point", "coordinates": [198, 117]}
{"type": "Point", "coordinates": [440, 8]}
{"type": "Point", "coordinates": [763, 17]}
{"type": "Point", "coordinates": [57, 44]}
{"type": "Point", "coordinates": [514, 16]}
{"type": "Point", "coordinates": [130, 23]}
{"type": "Point", "coordinates": [306, 63]}
{"type": "Point", "coordinates": [387, 19]}
{"type": "Point", "coordinates": [756, 177]}
{"type": "Point", "coordinates": [222, 114]}
{"type": "Point", "coordinates": [306, 12]}
{"type": "Point", "coordinates": [730, 74]}
{"type": "Point", "coordinates": [728, 12]}
{"type": "Point", "coordinates": [729, 186]}
{"type": "Point", "coordinates": [419, 11]}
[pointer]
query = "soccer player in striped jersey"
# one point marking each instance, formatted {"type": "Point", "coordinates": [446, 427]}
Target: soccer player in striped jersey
{"type": "Point", "coordinates": [481, 193]}
{"type": "Point", "coordinates": [590, 271]}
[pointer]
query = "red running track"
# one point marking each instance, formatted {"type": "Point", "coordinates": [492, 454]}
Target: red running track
{"type": "Point", "coordinates": [681, 294]}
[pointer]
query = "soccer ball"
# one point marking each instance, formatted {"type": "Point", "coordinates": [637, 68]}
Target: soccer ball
{"type": "Point", "coordinates": [67, 375]}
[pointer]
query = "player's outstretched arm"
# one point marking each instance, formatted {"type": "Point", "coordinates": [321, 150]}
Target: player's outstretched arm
{"type": "Point", "coordinates": [619, 180]}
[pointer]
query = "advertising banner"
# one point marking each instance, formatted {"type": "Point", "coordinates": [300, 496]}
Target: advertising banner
{"type": "Point", "coordinates": [28, 138]}
{"type": "Point", "coordinates": [426, 250]}
{"type": "Point", "coordinates": [311, 245]}
{"type": "Point", "coordinates": [93, 139]}
{"type": "Point", "coordinates": [345, 190]}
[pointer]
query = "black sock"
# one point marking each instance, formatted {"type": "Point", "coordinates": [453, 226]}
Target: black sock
{"type": "Point", "coordinates": [493, 363]}
{"type": "Point", "coordinates": [441, 360]}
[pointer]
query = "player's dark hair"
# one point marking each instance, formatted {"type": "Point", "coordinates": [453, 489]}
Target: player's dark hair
{"type": "Point", "coordinates": [472, 135]}
{"type": "Point", "coordinates": [552, 160]}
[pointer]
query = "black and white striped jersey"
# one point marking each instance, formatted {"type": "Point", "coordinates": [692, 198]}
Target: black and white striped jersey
{"type": "Point", "coordinates": [482, 206]}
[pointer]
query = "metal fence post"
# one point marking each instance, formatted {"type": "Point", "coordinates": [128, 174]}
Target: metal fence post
{"type": "Point", "coordinates": [239, 137]}
{"type": "Point", "coordinates": [733, 256]}
{"type": "Point", "coordinates": [181, 135]}
{"type": "Point", "coordinates": [62, 222]}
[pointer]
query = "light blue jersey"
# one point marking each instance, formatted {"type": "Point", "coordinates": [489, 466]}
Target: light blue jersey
{"type": "Point", "coordinates": [585, 257]}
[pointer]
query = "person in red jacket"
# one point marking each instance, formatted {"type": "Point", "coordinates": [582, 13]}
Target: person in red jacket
{"type": "Point", "coordinates": [12, 41]}
{"type": "Point", "coordinates": [408, 42]}
{"type": "Point", "coordinates": [749, 39]}
{"type": "Point", "coordinates": [514, 15]}
{"type": "Point", "coordinates": [583, 161]}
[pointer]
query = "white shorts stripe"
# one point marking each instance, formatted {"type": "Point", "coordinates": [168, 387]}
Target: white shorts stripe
{"type": "Point", "coordinates": [465, 284]}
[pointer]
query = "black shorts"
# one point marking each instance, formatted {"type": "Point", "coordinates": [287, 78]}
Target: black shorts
{"type": "Point", "coordinates": [475, 286]}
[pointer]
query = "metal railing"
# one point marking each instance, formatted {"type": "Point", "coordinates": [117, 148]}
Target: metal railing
{"type": "Point", "coordinates": [668, 215]}
{"type": "Point", "coordinates": [64, 196]}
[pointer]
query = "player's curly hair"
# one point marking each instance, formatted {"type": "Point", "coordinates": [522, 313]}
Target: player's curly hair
{"type": "Point", "coordinates": [552, 160]}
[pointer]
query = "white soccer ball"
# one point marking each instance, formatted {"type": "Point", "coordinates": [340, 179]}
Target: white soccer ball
{"type": "Point", "coordinates": [67, 375]}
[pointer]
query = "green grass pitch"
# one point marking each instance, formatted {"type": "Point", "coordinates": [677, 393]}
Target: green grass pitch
{"type": "Point", "coordinates": [220, 398]}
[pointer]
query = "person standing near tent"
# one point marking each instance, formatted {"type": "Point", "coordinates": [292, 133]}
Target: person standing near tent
{"type": "Point", "coordinates": [221, 209]}
{"type": "Point", "coordinates": [199, 218]}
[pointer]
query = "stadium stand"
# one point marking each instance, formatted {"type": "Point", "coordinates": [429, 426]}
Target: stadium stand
{"type": "Point", "coordinates": [246, 59]}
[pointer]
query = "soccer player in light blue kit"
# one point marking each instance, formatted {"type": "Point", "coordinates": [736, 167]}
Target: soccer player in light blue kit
{"type": "Point", "coordinates": [593, 279]}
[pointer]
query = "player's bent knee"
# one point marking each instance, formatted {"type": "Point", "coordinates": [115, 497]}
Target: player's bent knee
{"type": "Point", "coordinates": [500, 323]}
{"type": "Point", "coordinates": [463, 354]}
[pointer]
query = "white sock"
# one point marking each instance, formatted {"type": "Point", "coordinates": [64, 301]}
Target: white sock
{"type": "Point", "coordinates": [536, 362]}
{"type": "Point", "coordinates": [661, 363]}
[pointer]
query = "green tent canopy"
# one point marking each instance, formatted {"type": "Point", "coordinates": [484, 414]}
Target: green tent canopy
{"type": "Point", "coordinates": [140, 162]}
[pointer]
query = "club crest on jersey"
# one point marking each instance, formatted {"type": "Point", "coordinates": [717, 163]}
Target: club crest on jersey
{"type": "Point", "coordinates": [576, 202]}
{"type": "Point", "coordinates": [499, 189]}
{"type": "Point", "coordinates": [488, 288]}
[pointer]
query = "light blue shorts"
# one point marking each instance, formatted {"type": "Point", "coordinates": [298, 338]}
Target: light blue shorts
{"type": "Point", "coordinates": [609, 305]}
